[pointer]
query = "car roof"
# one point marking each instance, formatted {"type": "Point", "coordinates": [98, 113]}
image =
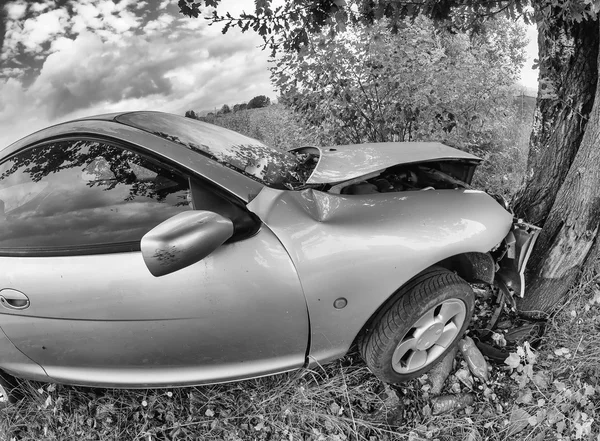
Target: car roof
{"type": "Point", "coordinates": [106, 125]}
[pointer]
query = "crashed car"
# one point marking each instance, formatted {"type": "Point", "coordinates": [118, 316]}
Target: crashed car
{"type": "Point", "coordinates": [144, 249]}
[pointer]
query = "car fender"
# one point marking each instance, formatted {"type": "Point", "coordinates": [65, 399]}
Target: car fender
{"type": "Point", "coordinates": [15, 362]}
{"type": "Point", "coordinates": [352, 252]}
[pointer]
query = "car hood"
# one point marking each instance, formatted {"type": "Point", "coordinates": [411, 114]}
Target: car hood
{"type": "Point", "coordinates": [345, 162]}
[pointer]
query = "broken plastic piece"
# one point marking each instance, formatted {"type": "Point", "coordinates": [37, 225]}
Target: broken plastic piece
{"type": "Point", "coordinates": [474, 358]}
{"type": "Point", "coordinates": [449, 403]}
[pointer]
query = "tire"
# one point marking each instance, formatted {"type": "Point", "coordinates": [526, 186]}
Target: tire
{"type": "Point", "coordinates": [424, 321]}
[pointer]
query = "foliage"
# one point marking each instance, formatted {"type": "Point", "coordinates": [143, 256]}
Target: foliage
{"type": "Point", "coordinates": [558, 389]}
{"type": "Point", "coordinates": [287, 27]}
{"type": "Point", "coordinates": [274, 125]}
{"type": "Point", "coordinates": [368, 84]}
{"type": "Point", "coordinates": [259, 101]}
{"type": "Point", "coordinates": [225, 109]}
{"type": "Point", "coordinates": [191, 114]}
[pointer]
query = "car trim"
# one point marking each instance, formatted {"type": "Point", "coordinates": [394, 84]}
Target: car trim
{"type": "Point", "coordinates": [75, 250]}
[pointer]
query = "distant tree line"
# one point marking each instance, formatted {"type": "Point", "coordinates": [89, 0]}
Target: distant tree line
{"type": "Point", "coordinates": [257, 102]}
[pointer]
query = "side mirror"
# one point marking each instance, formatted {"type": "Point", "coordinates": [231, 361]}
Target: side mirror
{"type": "Point", "coordinates": [183, 240]}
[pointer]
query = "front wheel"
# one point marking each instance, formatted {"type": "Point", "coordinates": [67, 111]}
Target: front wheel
{"type": "Point", "coordinates": [429, 315]}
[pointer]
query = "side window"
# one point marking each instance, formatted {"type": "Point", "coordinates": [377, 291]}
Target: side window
{"type": "Point", "coordinates": [84, 194]}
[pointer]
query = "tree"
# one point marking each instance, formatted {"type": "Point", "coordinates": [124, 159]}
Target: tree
{"type": "Point", "coordinates": [225, 109]}
{"type": "Point", "coordinates": [238, 107]}
{"type": "Point", "coordinates": [564, 171]}
{"type": "Point", "coordinates": [258, 102]}
{"type": "Point", "coordinates": [191, 114]}
{"type": "Point", "coordinates": [368, 84]}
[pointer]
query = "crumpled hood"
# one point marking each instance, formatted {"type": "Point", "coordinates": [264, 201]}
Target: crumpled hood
{"type": "Point", "coordinates": [342, 163]}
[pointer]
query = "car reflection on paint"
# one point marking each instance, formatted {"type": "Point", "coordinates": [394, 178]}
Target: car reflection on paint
{"type": "Point", "coordinates": [144, 249]}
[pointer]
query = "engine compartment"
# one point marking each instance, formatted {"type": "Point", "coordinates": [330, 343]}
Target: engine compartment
{"type": "Point", "coordinates": [432, 174]}
{"type": "Point", "coordinates": [413, 177]}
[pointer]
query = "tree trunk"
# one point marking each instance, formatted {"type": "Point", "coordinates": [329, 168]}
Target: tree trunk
{"type": "Point", "coordinates": [567, 54]}
{"type": "Point", "coordinates": [562, 194]}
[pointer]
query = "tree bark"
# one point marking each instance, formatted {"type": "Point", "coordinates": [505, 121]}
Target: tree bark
{"type": "Point", "coordinates": [565, 180]}
{"type": "Point", "coordinates": [567, 54]}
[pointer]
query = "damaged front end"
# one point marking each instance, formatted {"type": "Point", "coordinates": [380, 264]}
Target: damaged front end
{"type": "Point", "coordinates": [512, 256]}
{"type": "Point", "coordinates": [374, 168]}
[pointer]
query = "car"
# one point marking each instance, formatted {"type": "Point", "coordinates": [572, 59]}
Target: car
{"type": "Point", "coordinates": [144, 249]}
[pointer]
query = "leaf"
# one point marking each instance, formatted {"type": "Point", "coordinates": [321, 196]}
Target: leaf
{"type": "Point", "coordinates": [334, 408]}
{"type": "Point", "coordinates": [560, 386]}
{"type": "Point", "coordinates": [513, 360]}
{"type": "Point", "coordinates": [519, 419]}
{"type": "Point", "coordinates": [209, 413]}
{"type": "Point", "coordinates": [540, 380]}
{"type": "Point", "coordinates": [48, 402]}
{"type": "Point", "coordinates": [525, 397]}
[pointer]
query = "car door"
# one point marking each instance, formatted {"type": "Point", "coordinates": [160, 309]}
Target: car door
{"type": "Point", "coordinates": [76, 297]}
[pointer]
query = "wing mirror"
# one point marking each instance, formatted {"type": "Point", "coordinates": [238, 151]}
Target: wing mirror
{"type": "Point", "coordinates": [183, 240]}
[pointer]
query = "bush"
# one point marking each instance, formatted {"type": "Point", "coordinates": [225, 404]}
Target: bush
{"type": "Point", "coordinates": [259, 101]}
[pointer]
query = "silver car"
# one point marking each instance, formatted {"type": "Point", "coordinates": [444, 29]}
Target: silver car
{"type": "Point", "coordinates": [144, 249]}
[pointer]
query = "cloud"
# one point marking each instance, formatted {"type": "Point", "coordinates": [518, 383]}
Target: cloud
{"type": "Point", "coordinates": [90, 71]}
{"type": "Point", "coordinates": [110, 57]}
{"type": "Point", "coordinates": [16, 10]}
{"type": "Point", "coordinates": [43, 28]}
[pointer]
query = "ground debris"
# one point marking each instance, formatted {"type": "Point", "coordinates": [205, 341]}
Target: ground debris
{"type": "Point", "coordinates": [518, 420]}
{"type": "Point", "coordinates": [474, 358]}
{"type": "Point", "coordinates": [449, 403]}
{"type": "Point", "coordinates": [437, 376]}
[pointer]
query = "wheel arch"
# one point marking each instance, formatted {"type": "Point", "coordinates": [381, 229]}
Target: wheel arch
{"type": "Point", "coordinates": [473, 267]}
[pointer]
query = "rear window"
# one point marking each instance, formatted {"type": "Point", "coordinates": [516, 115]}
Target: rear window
{"type": "Point", "coordinates": [269, 166]}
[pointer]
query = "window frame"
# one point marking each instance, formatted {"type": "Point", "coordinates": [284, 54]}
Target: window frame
{"type": "Point", "coordinates": [194, 179]}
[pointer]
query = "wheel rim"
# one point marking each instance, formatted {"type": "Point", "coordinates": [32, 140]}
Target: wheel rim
{"type": "Point", "coordinates": [429, 336]}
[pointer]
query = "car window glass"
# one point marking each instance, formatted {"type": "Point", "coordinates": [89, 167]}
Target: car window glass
{"type": "Point", "coordinates": [84, 193]}
{"type": "Point", "coordinates": [270, 166]}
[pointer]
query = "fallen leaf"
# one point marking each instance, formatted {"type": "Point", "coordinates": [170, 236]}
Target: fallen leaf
{"type": "Point", "coordinates": [525, 397]}
{"type": "Point", "coordinates": [540, 380]}
{"type": "Point", "coordinates": [519, 419]}
{"type": "Point", "coordinates": [561, 351]}
{"type": "Point", "coordinates": [513, 360]}
{"type": "Point", "coordinates": [464, 377]}
{"type": "Point", "coordinates": [334, 408]}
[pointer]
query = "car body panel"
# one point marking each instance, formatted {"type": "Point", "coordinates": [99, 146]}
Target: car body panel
{"type": "Point", "coordinates": [346, 162]}
{"type": "Point", "coordinates": [15, 362]}
{"type": "Point", "coordinates": [105, 320]}
{"type": "Point", "coordinates": [365, 247]}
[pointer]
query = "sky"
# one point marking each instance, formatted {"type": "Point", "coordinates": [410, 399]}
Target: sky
{"type": "Point", "coordinates": [63, 59]}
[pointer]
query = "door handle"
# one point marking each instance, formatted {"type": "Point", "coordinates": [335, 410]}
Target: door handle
{"type": "Point", "coordinates": [13, 299]}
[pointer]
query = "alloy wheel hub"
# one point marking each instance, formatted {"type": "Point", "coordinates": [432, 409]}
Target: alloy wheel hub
{"type": "Point", "coordinates": [430, 336]}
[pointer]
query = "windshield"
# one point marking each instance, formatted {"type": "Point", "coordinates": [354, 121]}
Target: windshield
{"type": "Point", "coordinates": [267, 165]}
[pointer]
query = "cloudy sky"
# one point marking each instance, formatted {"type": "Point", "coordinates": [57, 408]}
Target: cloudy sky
{"type": "Point", "coordinates": [62, 59]}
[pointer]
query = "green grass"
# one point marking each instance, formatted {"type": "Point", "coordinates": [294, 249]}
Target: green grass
{"type": "Point", "coordinates": [342, 401]}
